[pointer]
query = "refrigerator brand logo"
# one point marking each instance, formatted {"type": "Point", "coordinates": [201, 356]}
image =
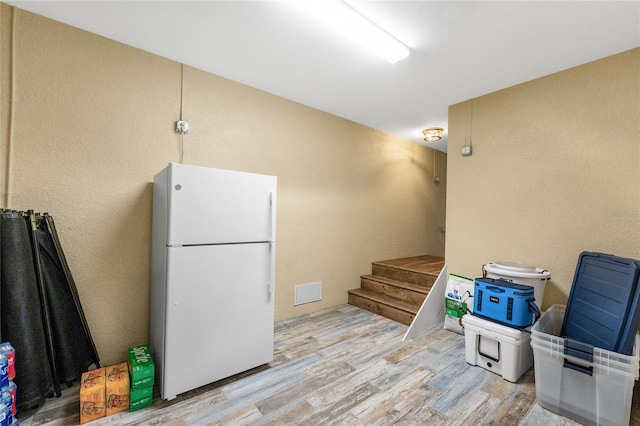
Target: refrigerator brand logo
{"type": "Point", "coordinates": [141, 354]}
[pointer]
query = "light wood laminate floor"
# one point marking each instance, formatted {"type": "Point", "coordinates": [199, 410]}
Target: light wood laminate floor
{"type": "Point", "coordinates": [343, 366]}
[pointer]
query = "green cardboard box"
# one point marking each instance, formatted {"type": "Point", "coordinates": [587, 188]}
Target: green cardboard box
{"type": "Point", "coordinates": [141, 367]}
{"type": "Point", "coordinates": [140, 398]}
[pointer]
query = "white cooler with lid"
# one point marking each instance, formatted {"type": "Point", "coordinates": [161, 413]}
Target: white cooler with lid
{"type": "Point", "coordinates": [500, 349]}
{"type": "Point", "coordinates": [520, 274]}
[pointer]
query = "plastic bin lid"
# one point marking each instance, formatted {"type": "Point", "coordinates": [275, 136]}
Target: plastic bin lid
{"type": "Point", "coordinates": [512, 269]}
{"type": "Point", "coordinates": [603, 309]}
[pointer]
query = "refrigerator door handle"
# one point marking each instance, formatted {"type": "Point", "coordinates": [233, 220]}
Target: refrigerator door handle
{"type": "Point", "coordinates": [272, 243]}
{"type": "Point", "coordinates": [272, 202]}
{"type": "Point", "coordinates": [272, 269]}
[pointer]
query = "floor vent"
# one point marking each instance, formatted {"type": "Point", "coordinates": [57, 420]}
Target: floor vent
{"type": "Point", "coordinates": [306, 293]}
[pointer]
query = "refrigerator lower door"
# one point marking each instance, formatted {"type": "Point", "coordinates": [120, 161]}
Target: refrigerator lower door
{"type": "Point", "coordinates": [219, 314]}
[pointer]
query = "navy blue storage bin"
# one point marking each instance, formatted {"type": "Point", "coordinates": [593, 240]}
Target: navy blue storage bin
{"type": "Point", "coordinates": [603, 308]}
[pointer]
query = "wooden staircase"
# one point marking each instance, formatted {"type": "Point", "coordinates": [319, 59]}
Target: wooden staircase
{"type": "Point", "coordinates": [396, 288]}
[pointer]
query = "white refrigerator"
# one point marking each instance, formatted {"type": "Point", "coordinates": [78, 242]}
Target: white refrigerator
{"type": "Point", "coordinates": [212, 273]}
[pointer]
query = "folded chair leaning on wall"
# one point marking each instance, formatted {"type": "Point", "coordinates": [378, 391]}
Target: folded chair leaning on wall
{"type": "Point", "coordinates": [40, 312]}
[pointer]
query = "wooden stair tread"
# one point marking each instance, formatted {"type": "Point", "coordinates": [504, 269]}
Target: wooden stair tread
{"type": "Point", "coordinates": [396, 283]}
{"type": "Point", "coordinates": [429, 265]}
{"type": "Point", "coordinates": [397, 288]}
{"type": "Point", "coordinates": [386, 300]}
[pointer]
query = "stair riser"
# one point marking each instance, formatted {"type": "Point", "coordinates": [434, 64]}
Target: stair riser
{"type": "Point", "coordinates": [403, 275]}
{"type": "Point", "coordinates": [413, 297]}
{"type": "Point", "coordinates": [381, 309]}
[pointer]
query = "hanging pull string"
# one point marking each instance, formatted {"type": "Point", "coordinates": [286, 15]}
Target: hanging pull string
{"type": "Point", "coordinates": [435, 172]}
{"type": "Point", "coordinates": [471, 123]}
{"type": "Point", "coordinates": [181, 88]}
{"type": "Point", "coordinates": [182, 148]}
{"type": "Point", "coordinates": [182, 126]}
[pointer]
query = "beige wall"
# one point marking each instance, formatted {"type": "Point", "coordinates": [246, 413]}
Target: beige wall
{"type": "Point", "coordinates": [94, 122]}
{"type": "Point", "coordinates": [555, 171]}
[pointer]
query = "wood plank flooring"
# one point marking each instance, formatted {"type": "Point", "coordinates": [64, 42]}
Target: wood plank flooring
{"type": "Point", "coordinates": [343, 366]}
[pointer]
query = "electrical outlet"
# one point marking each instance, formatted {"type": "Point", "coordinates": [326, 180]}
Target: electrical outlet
{"type": "Point", "coordinates": [182, 127]}
{"type": "Point", "coordinates": [466, 150]}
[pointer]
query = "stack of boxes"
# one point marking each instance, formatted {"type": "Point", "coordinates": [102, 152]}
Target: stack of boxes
{"type": "Point", "coordinates": [127, 385]}
{"type": "Point", "coordinates": [142, 372]}
{"type": "Point", "coordinates": [92, 395]}
{"type": "Point", "coordinates": [496, 338]}
{"type": "Point", "coordinates": [8, 389]}
{"type": "Point", "coordinates": [117, 388]}
{"type": "Point", "coordinates": [497, 329]}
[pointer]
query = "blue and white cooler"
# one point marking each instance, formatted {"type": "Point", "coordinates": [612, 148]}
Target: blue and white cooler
{"type": "Point", "coordinates": [493, 343]}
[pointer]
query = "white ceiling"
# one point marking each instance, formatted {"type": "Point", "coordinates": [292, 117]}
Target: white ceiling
{"type": "Point", "coordinates": [459, 49]}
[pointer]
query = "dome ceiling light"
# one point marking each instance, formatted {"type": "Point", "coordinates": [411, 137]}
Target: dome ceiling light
{"type": "Point", "coordinates": [432, 134]}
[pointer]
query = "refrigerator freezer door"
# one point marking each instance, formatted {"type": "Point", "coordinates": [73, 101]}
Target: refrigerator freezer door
{"type": "Point", "coordinates": [219, 314]}
{"type": "Point", "coordinates": [214, 206]}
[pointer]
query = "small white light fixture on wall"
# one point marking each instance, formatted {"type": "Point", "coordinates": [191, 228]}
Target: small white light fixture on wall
{"type": "Point", "coordinates": [352, 24]}
{"type": "Point", "coordinates": [432, 134]}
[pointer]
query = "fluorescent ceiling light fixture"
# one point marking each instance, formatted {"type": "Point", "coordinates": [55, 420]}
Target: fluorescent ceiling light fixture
{"type": "Point", "coordinates": [349, 22]}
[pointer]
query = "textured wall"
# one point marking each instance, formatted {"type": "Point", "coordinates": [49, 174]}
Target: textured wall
{"type": "Point", "coordinates": [94, 122]}
{"type": "Point", "coordinates": [555, 171]}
